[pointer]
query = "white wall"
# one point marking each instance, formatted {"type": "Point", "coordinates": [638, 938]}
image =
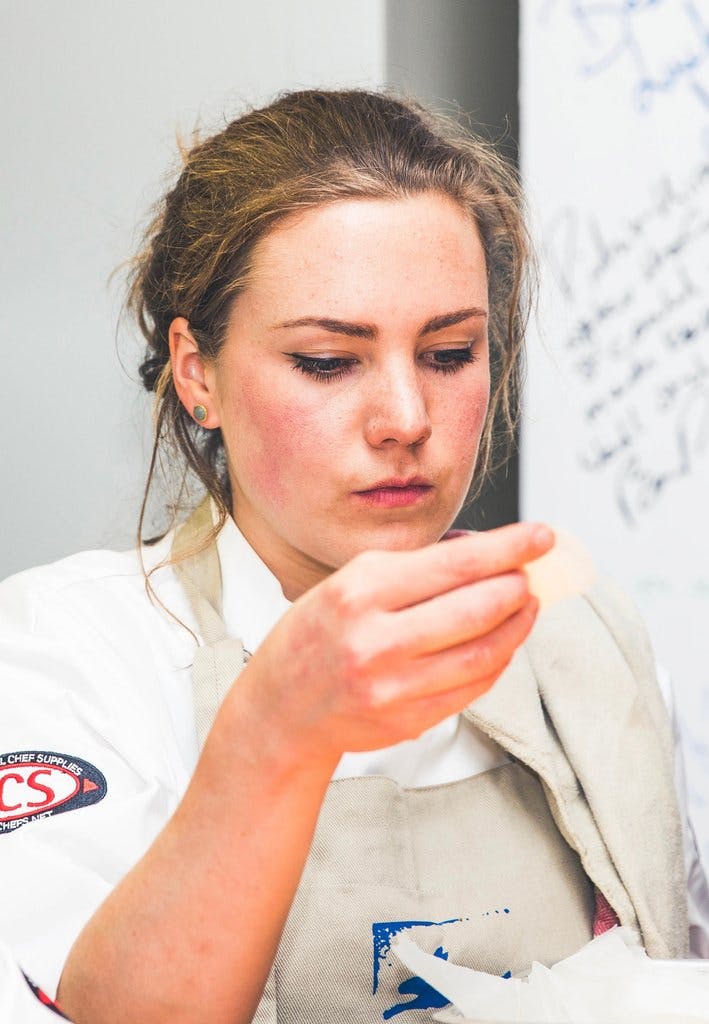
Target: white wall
{"type": "Point", "coordinates": [616, 159]}
{"type": "Point", "coordinates": [94, 94]}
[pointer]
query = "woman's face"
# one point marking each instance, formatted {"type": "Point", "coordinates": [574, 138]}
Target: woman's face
{"type": "Point", "coordinates": [354, 380]}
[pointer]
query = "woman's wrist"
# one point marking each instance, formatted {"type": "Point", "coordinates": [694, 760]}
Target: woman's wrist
{"type": "Point", "coordinates": [255, 729]}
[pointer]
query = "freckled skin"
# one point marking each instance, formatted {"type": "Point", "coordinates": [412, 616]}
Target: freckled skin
{"type": "Point", "coordinates": [298, 447]}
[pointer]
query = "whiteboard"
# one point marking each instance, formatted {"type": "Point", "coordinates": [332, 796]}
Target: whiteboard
{"type": "Point", "coordinates": [615, 447]}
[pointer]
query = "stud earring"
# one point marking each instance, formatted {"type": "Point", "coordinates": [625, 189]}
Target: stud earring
{"type": "Point", "coordinates": [200, 413]}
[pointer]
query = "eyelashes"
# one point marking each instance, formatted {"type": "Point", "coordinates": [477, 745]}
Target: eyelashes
{"type": "Point", "coordinates": [322, 367]}
{"type": "Point", "coordinates": [331, 368]}
{"type": "Point", "coordinates": [449, 360]}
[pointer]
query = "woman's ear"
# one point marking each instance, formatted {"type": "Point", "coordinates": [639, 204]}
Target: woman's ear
{"type": "Point", "coordinates": [188, 374]}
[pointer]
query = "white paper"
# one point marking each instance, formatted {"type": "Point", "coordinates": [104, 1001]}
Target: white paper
{"type": "Point", "coordinates": [611, 980]}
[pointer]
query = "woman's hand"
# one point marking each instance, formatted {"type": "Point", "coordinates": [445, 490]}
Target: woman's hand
{"type": "Point", "coordinates": [394, 642]}
{"type": "Point", "coordinates": [384, 648]}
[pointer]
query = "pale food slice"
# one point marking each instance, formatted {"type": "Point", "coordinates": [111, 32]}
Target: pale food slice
{"type": "Point", "coordinates": [565, 571]}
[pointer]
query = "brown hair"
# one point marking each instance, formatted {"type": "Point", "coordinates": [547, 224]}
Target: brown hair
{"type": "Point", "coordinates": [305, 149]}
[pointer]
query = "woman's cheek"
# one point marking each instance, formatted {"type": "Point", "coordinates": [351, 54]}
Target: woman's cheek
{"type": "Point", "coordinates": [465, 419]}
{"type": "Point", "coordinates": [286, 447]}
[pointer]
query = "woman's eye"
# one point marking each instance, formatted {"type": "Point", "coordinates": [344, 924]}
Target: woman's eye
{"type": "Point", "coordinates": [322, 367]}
{"type": "Point", "coordinates": [448, 360]}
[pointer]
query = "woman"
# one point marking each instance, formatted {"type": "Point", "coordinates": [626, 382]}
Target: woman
{"type": "Point", "coordinates": [332, 296]}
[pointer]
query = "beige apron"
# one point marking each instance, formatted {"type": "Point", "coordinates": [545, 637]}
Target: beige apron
{"type": "Point", "coordinates": [475, 870]}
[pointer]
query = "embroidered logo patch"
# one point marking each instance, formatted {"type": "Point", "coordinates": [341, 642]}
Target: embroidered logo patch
{"type": "Point", "coordinates": [39, 783]}
{"type": "Point", "coordinates": [44, 998]}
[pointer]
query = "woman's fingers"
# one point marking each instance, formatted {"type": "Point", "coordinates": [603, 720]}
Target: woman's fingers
{"type": "Point", "coordinates": [405, 578]}
{"type": "Point", "coordinates": [433, 708]}
{"type": "Point", "coordinates": [477, 662]}
{"type": "Point", "coordinates": [460, 615]}
{"type": "Point", "coordinates": [401, 638]}
{"type": "Point", "coordinates": [445, 684]}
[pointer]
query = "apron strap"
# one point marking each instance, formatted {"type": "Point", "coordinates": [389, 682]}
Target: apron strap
{"type": "Point", "coordinates": [219, 658]}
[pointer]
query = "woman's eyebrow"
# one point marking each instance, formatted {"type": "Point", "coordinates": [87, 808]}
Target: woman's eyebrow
{"type": "Point", "coordinates": [335, 326]}
{"type": "Point", "coordinates": [354, 330]}
{"type": "Point", "coordinates": [439, 323]}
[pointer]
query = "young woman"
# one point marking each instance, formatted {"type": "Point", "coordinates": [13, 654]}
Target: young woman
{"type": "Point", "coordinates": [333, 301]}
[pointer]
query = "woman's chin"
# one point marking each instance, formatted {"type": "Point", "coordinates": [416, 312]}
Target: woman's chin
{"type": "Point", "coordinates": [401, 536]}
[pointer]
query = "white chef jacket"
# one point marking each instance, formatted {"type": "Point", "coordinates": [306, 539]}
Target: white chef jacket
{"type": "Point", "coordinates": [96, 675]}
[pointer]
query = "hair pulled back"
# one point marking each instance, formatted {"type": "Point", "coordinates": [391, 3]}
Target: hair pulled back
{"type": "Point", "coordinates": [305, 149]}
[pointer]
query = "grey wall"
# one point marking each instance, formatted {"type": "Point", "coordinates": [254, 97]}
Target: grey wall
{"type": "Point", "coordinates": [458, 54]}
{"type": "Point", "coordinates": [461, 56]}
{"type": "Point", "coordinates": [94, 95]}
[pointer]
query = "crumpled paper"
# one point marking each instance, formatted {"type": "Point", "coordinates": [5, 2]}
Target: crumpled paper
{"type": "Point", "coordinates": [611, 980]}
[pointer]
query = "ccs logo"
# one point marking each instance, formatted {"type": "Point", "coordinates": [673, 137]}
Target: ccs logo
{"type": "Point", "coordinates": [39, 783]}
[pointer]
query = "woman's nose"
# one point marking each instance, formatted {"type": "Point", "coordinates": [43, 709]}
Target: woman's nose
{"type": "Point", "coordinates": [397, 411]}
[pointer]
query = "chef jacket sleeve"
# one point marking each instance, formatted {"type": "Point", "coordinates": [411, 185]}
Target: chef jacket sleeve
{"type": "Point", "coordinates": [21, 1001]}
{"type": "Point", "coordinates": [86, 768]}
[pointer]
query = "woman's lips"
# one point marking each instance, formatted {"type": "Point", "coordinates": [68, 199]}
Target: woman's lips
{"type": "Point", "coordinates": [394, 496]}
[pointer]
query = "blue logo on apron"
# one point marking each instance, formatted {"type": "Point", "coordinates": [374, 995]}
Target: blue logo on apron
{"type": "Point", "coordinates": [424, 996]}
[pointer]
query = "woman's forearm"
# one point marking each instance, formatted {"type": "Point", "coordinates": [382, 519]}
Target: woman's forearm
{"type": "Point", "coordinates": [190, 933]}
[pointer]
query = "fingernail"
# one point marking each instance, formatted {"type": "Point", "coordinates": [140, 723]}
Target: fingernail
{"type": "Point", "coordinates": [543, 535]}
